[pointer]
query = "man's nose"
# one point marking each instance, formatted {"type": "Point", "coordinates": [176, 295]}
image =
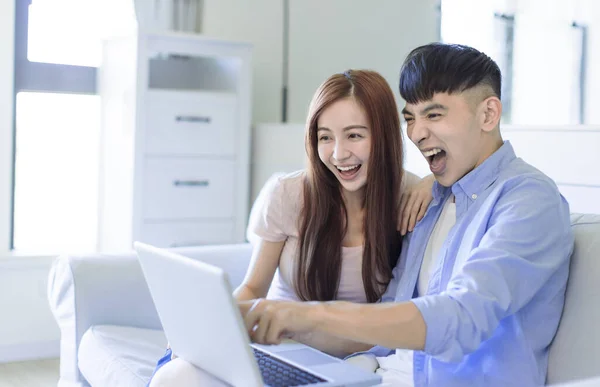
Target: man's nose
{"type": "Point", "coordinates": [418, 132]}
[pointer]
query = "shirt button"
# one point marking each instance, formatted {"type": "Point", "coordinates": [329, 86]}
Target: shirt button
{"type": "Point", "coordinates": [474, 196]}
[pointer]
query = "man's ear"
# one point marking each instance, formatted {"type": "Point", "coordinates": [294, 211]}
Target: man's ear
{"type": "Point", "coordinates": [491, 111]}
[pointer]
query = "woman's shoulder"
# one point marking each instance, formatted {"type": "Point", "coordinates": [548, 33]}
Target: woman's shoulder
{"type": "Point", "coordinates": [286, 185]}
{"type": "Point", "coordinates": [275, 210]}
{"type": "Point", "coordinates": [291, 179]}
{"type": "Point", "coordinates": [285, 189]}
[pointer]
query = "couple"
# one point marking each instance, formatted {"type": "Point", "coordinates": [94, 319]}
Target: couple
{"type": "Point", "coordinates": [472, 296]}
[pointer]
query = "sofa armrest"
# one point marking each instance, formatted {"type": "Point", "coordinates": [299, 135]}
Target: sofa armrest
{"type": "Point", "coordinates": [103, 289]}
{"type": "Point", "coordinates": [92, 290]}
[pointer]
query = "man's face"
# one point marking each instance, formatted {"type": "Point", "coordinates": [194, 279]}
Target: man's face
{"type": "Point", "coordinates": [447, 132]}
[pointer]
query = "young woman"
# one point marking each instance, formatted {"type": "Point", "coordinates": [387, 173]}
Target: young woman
{"type": "Point", "coordinates": [333, 231]}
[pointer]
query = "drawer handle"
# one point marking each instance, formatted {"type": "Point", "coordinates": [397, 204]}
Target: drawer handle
{"type": "Point", "coordinates": [193, 119]}
{"type": "Point", "coordinates": [190, 183]}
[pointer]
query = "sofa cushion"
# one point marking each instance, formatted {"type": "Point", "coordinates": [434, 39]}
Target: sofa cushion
{"type": "Point", "coordinates": [114, 356]}
{"type": "Point", "coordinates": [575, 350]}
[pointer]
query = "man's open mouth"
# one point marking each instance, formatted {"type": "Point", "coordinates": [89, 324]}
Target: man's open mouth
{"type": "Point", "coordinates": [436, 158]}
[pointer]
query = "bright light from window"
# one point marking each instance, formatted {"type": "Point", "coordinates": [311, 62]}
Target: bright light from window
{"type": "Point", "coordinates": [56, 173]}
{"type": "Point", "coordinates": [71, 31]}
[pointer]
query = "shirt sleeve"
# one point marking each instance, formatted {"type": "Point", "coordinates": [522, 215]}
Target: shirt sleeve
{"type": "Point", "coordinates": [526, 246]}
{"type": "Point", "coordinates": [392, 288]}
{"type": "Point", "coordinates": [267, 216]}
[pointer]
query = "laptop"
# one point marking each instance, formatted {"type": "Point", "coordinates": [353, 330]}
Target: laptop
{"type": "Point", "coordinates": [204, 326]}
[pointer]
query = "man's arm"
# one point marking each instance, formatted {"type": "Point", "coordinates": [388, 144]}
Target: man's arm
{"type": "Point", "coordinates": [525, 248]}
{"type": "Point", "coordinates": [528, 240]}
{"type": "Point", "coordinates": [392, 325]}
{"type": "Point", "coordinates": [331, 344]}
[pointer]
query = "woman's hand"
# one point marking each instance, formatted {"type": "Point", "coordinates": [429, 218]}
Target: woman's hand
{"type": "Point", "coordinates": [414, 203]}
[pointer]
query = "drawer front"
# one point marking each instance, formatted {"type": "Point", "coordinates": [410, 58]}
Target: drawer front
{"type": "Point", "coordinates": [177, 234]}
{"type": "Point", "coordinates": [188, 188]}
{"type": "Point", "coordinates": [190, 123]}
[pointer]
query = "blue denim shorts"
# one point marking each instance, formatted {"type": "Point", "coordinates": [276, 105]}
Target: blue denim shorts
{"type": "Point", "coordinates": [161, 362]}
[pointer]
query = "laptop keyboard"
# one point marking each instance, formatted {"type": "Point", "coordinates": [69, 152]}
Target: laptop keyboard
{"type": "Point", "coordinates": [277, 373]}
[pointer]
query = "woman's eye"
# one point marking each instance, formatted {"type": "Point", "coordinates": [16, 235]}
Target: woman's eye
{"type": "Point", "coordinates": [354, 135]}
{"type": "Point", "coordinates": [324, 138]}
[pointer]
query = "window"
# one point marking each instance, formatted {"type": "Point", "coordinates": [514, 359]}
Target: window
{"type": "Point", "coordinates": [488, 27]}
{"type": "Point", "coordinates": [541, 49]}
{"type": "Point", "coordinates": [58, 47]}
{"type": "Point", "coordinates": [56, 165]}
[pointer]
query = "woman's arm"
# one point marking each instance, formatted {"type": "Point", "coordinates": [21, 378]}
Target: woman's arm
{"type": "Point", "coordinates": [416, 196]}
{"type": "Point", "coordinates": [263, 264]}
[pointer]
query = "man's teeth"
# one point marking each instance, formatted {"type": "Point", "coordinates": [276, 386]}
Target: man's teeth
{"type": "Point", "coordinates": [344, 169]}
{"type": "Point", "coordinates": [432, 152]}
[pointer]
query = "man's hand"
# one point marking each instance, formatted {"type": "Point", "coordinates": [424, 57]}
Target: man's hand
{"type": "Point", "coordinates": [268, 322]}
{"type": "Point", "coordinates": [389, 324]}
{"type": "Point", "coordinates": [245, 306]}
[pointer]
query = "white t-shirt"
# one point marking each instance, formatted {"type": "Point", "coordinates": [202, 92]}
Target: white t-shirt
{"type": "Point", "coordinates": [397, 369]}
{"type": "Point", "coordinates": [274, 218]}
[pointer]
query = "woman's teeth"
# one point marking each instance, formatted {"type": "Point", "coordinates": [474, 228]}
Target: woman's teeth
{"type": "Point", "coordinates": [345, 169]}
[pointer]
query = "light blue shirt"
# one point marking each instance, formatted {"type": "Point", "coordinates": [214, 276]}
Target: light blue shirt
{"type": "Point", "coordinates": [494, 302]}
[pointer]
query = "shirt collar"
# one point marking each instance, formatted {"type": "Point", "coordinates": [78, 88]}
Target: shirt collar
{"type": "Point", "coordinates": [480, 178]}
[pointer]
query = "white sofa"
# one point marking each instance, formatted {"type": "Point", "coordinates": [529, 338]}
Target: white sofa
{"type": "Point", "coordinates": [111, 335]}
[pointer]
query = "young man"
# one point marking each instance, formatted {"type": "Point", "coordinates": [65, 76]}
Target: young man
{"type": "Point", "coordinates": [478, 292]}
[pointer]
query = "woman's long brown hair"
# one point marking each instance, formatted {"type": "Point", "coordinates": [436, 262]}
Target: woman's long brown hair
{"type": "Point", "coordinates": [323, 217]}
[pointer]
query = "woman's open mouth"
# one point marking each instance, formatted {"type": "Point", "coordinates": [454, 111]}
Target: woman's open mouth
{"type": "Point", "coordinates": [348, 172]}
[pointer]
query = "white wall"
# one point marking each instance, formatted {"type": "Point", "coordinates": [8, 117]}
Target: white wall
{"type": "Point", "coordinates": [567, 154]}
{"type": "Point", "coordinates": [259, 22]}
{"type": "Point", "coordinates": [328, 37]}
{"type": "Point", "coordinates": [325, 37]}
{"type": "Point", "coordinates": [27, 328]}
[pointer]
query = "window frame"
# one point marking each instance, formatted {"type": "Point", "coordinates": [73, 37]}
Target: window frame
{"type": "Point", "coordinates": [22, 75]}
{"type": "Point", "coordinates": [7, 30]}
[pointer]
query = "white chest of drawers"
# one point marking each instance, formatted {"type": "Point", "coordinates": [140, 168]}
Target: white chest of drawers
{"type": "Point", "coordinates": [175, 141]}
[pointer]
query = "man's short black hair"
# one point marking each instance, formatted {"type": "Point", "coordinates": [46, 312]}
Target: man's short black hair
{"type": "Point", "coordinates": [446, 68]}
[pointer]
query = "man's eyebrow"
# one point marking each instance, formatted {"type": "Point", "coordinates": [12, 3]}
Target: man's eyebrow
{"type": "Point", "coordinates": [426, 109]}
{"type": "Point", "coordinates": [434, 106]}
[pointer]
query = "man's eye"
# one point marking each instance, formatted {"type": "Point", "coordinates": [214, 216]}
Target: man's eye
{"type": "Point", "coordinates": [408, 119]}
{"type": "Point", "coordinates": [433, 116]}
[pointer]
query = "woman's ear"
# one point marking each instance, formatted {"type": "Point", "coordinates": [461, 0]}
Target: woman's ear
{"type": "Point", "coordinates": [492, 111]}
